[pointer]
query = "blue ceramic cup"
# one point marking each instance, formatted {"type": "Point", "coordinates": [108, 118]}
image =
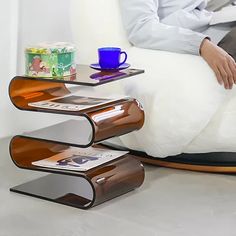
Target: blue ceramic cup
{"type": "Point", "coordinates": [109, 57]}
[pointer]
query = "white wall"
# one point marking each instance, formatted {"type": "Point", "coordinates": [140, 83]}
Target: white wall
{"type": "Point", "coordinates": [8, 50]}
{"type": "Point", "coordinates": [39, 21]}
{"type": "Point", "coordinates": [35, 21]}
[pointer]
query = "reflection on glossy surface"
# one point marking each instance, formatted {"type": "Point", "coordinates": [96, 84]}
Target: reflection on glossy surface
{"type": "Point", "coordinates": [23, 91]}
{"type": "Point", "coordinates": [64, 189]}
{"type": "Point", "coordinates": [89, 77]}
{"type": "Point", "coordinates": [117, 111]}
{"type": "Point", "coordinates": [72, 132]}
{"type": "Point", "coordinates": [117, 120]}
{"type": "Point", "coordinates": [106, 75]}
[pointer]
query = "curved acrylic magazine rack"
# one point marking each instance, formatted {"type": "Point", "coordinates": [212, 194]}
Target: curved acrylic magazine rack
{"type": "Point", "coordinates": [82, 189]}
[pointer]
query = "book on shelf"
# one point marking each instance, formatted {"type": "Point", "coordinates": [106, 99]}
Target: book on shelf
{"type": "Point", "coordinates": [73, 102]}
{"type": "Point", "coordinates": [80, 159]}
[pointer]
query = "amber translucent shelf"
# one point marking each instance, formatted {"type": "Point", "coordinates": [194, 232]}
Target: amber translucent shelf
{"type": "Point", "coordinates": [74, 188]}
{"type": "Point", "coordinates": [113, 119]}
{"type": "Point", "coordinates": [83, 128]}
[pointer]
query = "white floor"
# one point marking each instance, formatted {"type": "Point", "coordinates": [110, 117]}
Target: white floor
{"type": "Point", "coordinates": [170, 202]}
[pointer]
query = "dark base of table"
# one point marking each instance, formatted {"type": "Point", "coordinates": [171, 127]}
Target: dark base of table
{"type": "Point", "coordinates": [64, 189]}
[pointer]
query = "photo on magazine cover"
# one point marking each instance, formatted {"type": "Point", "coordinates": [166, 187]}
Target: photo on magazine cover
{"type": "Point", "coordinates": [80, 159]}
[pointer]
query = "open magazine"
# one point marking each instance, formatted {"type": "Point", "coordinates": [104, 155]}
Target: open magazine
{"type": "Point", "coordinates": [72, 103]}
{"type": "Point", "coordinates": [80, 159]}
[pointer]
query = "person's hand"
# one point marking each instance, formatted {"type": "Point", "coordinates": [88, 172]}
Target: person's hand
{"type": "Point", "coordinates": [221, 62]}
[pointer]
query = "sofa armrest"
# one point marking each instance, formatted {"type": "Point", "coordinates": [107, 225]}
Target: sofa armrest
{"type": "Point", "coordinates": [180, 95]}
{"type": "Point", "coordinates": [171, 66]}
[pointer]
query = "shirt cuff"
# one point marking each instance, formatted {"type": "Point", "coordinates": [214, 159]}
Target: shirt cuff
{"type": "Point", "coordinates": [197, 42]}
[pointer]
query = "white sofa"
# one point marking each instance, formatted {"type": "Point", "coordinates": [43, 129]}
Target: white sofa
{"type": "Point", "coordinates": [186, 110]}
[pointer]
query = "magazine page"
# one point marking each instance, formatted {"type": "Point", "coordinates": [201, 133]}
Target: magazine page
{"type": "Point", "coordinates": [225, 15]}
{"type": "Point", "coordinates": [73, 102]}
{"type": "Point", "coordinates": [80, 159]}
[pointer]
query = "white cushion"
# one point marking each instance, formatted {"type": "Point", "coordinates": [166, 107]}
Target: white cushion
{"type": "Point", "coordinates": [96, 23]}
{"type": "Point", "coordinates": [179, 92]}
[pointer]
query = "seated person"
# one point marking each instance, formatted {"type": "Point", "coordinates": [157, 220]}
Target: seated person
{"type": "Point", "coordinates": [182, 26]}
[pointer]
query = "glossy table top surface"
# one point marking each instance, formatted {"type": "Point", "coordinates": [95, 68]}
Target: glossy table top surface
{"type": "Point", "coordinates": [90, 77]}
{"type": "Point", "coordinates": [170, 202]}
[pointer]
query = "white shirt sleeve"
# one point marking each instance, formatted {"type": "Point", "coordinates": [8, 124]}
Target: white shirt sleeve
{"type": "Point", "coordinates": [145, 29]}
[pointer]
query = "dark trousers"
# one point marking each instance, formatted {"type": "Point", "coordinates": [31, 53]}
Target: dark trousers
{"type": "Point", "coordinates": [228, 43]}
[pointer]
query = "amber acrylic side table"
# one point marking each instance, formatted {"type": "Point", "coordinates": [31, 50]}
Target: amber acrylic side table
{"type": "Point", "coordinates": [76, 188]}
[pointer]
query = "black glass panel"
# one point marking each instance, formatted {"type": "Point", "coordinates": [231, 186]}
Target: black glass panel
{"type": "Point", "coordinates": [69, 190]}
